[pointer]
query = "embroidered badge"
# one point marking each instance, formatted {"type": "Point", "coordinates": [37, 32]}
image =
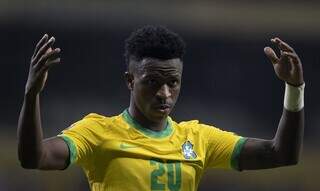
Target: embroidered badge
{"type": "Point", "coordinates": [187, 150]}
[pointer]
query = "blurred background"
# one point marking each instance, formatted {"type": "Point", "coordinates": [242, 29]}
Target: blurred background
{"type": "Point", "coordinates": [227, 81]}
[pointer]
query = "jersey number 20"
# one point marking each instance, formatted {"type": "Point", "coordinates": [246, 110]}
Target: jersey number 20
{"type": "Point", "coordinates": [173, 171]}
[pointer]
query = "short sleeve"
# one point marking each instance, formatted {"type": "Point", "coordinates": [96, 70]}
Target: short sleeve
{"type": "Point", "coordinates": [223, 148]}
{"type": "Point", "coordinates": [82, 138]}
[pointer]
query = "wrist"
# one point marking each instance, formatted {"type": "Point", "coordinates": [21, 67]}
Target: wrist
{"type": "Point", "coordinates": [295, 85]}
{"type": "Point", "coordinates": [30, 95]}
{"type": "Point", "coordinates": [294, 97]}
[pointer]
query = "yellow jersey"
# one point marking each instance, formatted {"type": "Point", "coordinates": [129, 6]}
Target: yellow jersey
{"type": "Point", "coordinates": [117, 153]}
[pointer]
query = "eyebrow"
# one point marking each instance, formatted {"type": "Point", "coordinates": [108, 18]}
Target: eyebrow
{"type": "Point", "coordinates": [158, 74]}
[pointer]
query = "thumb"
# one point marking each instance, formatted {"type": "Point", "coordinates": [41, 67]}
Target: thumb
{"type": "Point", "coordinates": [271, 55]}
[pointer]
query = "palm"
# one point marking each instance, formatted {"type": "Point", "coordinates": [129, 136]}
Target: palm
{"type": "Point", "coordinates": [288, 66]}
{"type": "Point", "coordinates": [43, 58]}
{"type": "Point", "coordinates": [36, 84]}
{"type": "Point", "coordinates": [43, 80]}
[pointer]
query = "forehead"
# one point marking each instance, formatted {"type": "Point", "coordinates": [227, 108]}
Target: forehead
{"type": "Point", "coordinates": [152, 66]}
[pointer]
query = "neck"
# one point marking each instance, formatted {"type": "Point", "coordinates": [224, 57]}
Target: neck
{"type": "Point", "coordinates": [138, 116]}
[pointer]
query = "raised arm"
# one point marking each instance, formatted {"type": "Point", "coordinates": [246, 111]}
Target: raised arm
{"type": "Point", "coordinates": [285, 147]}
{"type": "Point", "coordinates": [33, 151]}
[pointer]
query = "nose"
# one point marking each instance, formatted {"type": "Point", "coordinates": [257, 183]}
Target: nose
{"type": "Point", "coordinates": [164, 92]}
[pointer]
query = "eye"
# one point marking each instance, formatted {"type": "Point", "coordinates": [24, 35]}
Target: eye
{"type": "Point", "coordinates": [173, 83]}
{"type": "Point", "coordinates": [151, 82]}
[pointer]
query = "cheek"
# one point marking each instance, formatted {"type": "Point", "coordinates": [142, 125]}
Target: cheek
{"type": "Point", "coordinates": [175, 93]}
{"type": "Point", "coordinates": [142, 95]}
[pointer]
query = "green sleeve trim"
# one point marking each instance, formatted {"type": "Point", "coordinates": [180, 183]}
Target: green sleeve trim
{"type": "Point", "coordinates": [236, 153]}
{"type": "Point", "coordinates": [72, 148]}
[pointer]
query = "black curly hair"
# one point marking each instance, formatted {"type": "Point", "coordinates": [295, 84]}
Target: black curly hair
{"type": "Point", "coordinates": [154, 42]}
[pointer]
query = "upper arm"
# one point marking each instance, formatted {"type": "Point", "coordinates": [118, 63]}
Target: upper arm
{"type": "Point", "coordinates": [259, 154]}
{"type": "Point", "coordinates": [55, 154]}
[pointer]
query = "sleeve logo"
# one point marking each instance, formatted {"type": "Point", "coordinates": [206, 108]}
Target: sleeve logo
{"type": "Point", "coordinates": [187, 150]}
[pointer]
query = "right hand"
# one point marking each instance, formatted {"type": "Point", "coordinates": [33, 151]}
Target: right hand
{"type": "Point", "coordinates": [42, 59]}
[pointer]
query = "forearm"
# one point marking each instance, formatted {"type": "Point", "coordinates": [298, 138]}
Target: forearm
{"type": "Point", "coordinates": [289, 137]}
{"type": "Point", "coordinates": [30, 132]}
{"type": "Point", "coordinates": [284, 148]}
{"type": "Point", "coordinates": [33, 151]}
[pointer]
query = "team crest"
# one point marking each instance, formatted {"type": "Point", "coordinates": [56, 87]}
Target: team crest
{"type": "Point", "coordinates": [187, 150]}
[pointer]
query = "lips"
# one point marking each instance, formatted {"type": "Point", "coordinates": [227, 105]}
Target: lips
{"type": "Point", "coordinates": [163, 108]}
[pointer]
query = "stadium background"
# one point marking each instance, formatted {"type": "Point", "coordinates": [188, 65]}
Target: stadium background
{"type": "Point", "coordinates": [227, 79]}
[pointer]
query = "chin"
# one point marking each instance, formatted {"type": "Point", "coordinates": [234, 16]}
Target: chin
{"type": "Point", "coordinates": [159, 115]}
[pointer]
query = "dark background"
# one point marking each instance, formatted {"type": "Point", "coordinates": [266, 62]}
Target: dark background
{"type": "Point", "coordinates": [227, 79]}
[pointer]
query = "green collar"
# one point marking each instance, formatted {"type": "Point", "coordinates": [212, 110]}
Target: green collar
{"type": "Point", "coordinates": [148, 132]}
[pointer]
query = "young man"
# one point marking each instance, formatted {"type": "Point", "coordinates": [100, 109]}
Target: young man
{"type": "Point", "coordinates": [143, 148]}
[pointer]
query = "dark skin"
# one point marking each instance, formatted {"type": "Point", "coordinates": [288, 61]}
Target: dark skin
{"type": "Point", "coordinates": [155, 85]}
{"type": "Point", "coordinates": [284, 148]}
{"type": "Point", "coordinates": [33, 151]}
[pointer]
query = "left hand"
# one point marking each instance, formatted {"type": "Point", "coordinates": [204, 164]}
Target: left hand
{"type": "Point", "coordinates": [288, 67]}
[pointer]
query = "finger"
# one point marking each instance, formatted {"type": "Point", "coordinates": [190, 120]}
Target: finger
{"type": "Point", "coordinates": [282, 45]}
{"type": "Point", "coordinates": [271, 55]}
{"type": "Point", "coordinates": [49, 64]}
{"type": "Point", "coordinates": [293, 56]}
{"type": "Point", "coordinates": [40, 43]}
{"type": "Point", "coordinates": [43, 49]}
{"type": "Point", "coordinates": [46, 67]}
{"type": "Point", "coordinates": [47, 57]}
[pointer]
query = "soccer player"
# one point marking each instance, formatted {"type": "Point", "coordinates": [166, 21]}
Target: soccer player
{"type": "Point", "coordinates": [143, 148]}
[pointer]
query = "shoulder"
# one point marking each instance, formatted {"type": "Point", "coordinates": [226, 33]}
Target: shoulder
{"type": "Point", "coordinates": [202, 129]}
{"type": "Point", "coordinates": [92, 122]}
{"type": "Point", "coordinates": [195, 127]}
{"type": "Point", "coordinates": [190, 123]}
{"type": "Point", "coordinates": [96, 118]}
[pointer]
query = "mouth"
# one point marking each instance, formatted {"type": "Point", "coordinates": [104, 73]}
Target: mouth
{"type": "Point", "coordinates": [163, 108]}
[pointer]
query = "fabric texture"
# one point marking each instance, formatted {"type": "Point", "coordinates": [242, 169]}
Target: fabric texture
{"type": "Point", "coordinates": [116, 153]}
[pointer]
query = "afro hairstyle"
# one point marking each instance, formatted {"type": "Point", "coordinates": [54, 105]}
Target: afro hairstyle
{"type": "Point", "coordinates": [153, 42]}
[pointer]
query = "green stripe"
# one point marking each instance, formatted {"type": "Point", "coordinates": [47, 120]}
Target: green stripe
{"type": "Point", "coordinates": [148, 132]}
{"type": "Point", "coordinates": [72, 148]}
{"type": "Point", "coordinates": [236, 153]}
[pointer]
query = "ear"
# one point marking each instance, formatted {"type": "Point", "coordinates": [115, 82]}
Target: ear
{"type": "Point", "coordinates": [129, 80]}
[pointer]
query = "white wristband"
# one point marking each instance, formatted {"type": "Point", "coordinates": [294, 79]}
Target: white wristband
{"type": "Point", "coordinates": [294, 97]}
